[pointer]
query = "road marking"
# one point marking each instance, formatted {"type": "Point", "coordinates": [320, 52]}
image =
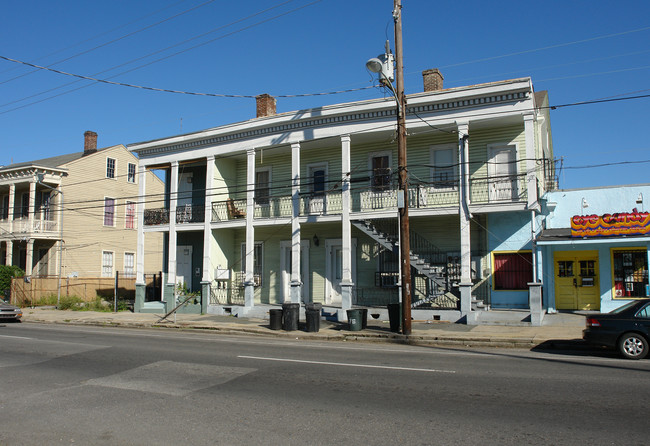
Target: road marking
{"type": "Point", "coordinates": [14, 337]}
{"type": "Point", "coordinates": [343, 364]}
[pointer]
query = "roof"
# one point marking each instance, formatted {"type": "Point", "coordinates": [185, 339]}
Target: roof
{"type": "Point", "coordinates": [52, 162]}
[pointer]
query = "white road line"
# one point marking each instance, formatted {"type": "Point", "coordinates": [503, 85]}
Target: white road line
{"type": "Point", "coordinates": [343, 364]}
{"type": "Point", "coordinates": [14, 337]}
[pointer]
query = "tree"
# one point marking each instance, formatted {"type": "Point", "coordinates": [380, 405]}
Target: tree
{"type": "Point", "coordinates": [8, 272]}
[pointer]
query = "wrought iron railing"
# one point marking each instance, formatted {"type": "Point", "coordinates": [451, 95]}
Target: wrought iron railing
{"type": "Point", "coordinates": [190, 213]}
{"type": "Point", "coordinates": [158, 216]}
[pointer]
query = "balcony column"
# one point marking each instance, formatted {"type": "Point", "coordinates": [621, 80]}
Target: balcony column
{"type": "Point", "coordinates": [12, 203]}
{"type": "Point", "coordinates": [249, 279]}
{"type": "Point", "coordinates": [207, 235]}
{"type": "Point", "coordinates": [139, 253]}
{"type": "Point", "coordinates": [9, 244]}
{"type": "Point", "coordinates": [32, 206]}
{"type": "Point", "coordinates": [296, 279]}
{"type": "Point", "coordinates": [170, 295]}
{"type": "Point", "coordinates": [465, 219]}
{"type": "Point", "coordinates": [346, 228]}
{"type": "Point", "coordinates": [531, 177]}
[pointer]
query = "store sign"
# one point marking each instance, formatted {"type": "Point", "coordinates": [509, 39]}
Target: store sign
{"type": "Point", "coordinates": [622, 223]}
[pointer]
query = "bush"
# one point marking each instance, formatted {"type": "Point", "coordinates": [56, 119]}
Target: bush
{"type": "Point", "coordinates": [8, 272]}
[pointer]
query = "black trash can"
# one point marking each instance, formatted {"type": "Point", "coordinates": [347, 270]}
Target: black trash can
{"type": "Point", "coordinates": [316, 306]}
{"type": "Point", "coordinates": [275, 319]}
{"type": "Point", "coordinates": [290, 315]}
{"type": "Point", "coordinates": [312, 321]}
{"type": "Point", "coordinates": [395, 317]}
{"type": "Point", "coordinates": [354, 320]}
{"type": "Point", "coordinates": [364, 318]}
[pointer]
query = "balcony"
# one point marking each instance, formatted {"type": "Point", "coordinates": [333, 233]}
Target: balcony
{"type": "Point", "coordinates": [24, 226]}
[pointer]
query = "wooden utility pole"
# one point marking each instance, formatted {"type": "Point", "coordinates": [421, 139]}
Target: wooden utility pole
{"type": "Point", "coordinates": [404, 243]}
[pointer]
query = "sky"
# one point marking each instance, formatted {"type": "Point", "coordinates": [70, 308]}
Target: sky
{"type": "Point", "coordinates": [579, 51]}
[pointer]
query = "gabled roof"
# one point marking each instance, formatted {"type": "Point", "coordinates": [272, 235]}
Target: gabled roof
{"type": "Point", "coordinates": [51, 162]}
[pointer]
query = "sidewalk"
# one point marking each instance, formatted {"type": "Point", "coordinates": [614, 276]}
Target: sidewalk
{"type": "Point", "coordinates": [558, 329]}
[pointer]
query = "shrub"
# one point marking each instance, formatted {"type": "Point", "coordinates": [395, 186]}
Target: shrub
{"type": "Point", "coordinates": [8, 272]}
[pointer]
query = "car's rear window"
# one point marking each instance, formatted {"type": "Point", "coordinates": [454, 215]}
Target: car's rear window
{"type": "Point", "coordinates": [623, 308]}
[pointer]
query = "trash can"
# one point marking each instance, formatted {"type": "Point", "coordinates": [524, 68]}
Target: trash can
{"type": "Point", "coordinates": [290, 315]}
{"type": "Point", "coordinates": [275, 319]}
{"type": "Point", "coordinates": [312, 321]}
{"type": "Point", "coordinates": [395, 317]}
{"type": "Point", "coordinates": [354, 320]}
{"type": "Point", "coordinates": [316, 306]}
{"type": "Point", "coordinates": [364, 318]}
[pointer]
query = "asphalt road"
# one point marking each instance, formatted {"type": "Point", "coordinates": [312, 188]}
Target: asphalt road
{"type": "Point", "coordinates": [115, 386]}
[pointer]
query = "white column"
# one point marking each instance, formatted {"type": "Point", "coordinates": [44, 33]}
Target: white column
{"type": "Point", "coordinates": [249, 282]}
{"type": "Point", "coordinates": [465, 218]}
{"type": "Point", "coordinates": [12, 202]}
{"type": "Point", "coordinates": [346, 229]}
{"type": "Point", "coordinates": [207, 231]}
{"type": "Point", "coordinates": [29, 261]}
{"type": "Point", "coordinates": [173, 198]}
{"type": "Point", "coordinates": [296, 280]}
{"type": "Point", "coordinates": [531, 177]}
{"type": "Point", "coordinates": [9, 253]}
{"type": "Point", "coordinates": [32, 205]}
{"type": "Point", "coordinates": [139, 253]}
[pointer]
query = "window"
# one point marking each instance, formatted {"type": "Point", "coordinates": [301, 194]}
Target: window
{"type": "Point", "coordinates": [129, 264]}
{"type": "Point", "coordinates": [4, 214]}
{"type": "Point", "coordinates": [630, 273]}
{"type": "Point", "coordinates": [109, 211]}
{"type": "Point", "coordinates": [258, 264]}
{"type": "Point", "coordinates": [512, 271]}
{"type": "Point", "coordinates": [262, 186]}
{"type": "Point", "coordinates": [318, 182]}
{"type": "Point", "coordinates": [110, 168]}
{"type": "Point", "coordinates": [24, 209]}
{"type": "Point", "coordinates": [380, 172]}
{"type": "Point", "coordinates": [129, 215]}
{"type": "Point", "coordinates": [130, 176]}
{"type": "Point", "coordinates": [444, 173]}
{"type": "Point", "coordinates": [107, 264]}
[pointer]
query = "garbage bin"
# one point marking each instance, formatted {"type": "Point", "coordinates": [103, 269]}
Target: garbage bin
{"type": "Point", "coordinates": [275, 319]}
{"type": "Point", "coordinates": [312, 321]}
{"type": "Point", "coordinates": [317, 306]}
{"type": "Point", "coordinates": [395, 317]}
{"type": "Point", "coordinates": [364, 318]}
{"type": "Point", "coordinates": [354, 319]}
{"type": "Point", "coordinates": [290, 315]}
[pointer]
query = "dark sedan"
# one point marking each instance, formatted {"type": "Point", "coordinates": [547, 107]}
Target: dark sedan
{"type": "Point", "coordinates": [626, 328]}
{"type": "Point", "coordinates": [8, 311]}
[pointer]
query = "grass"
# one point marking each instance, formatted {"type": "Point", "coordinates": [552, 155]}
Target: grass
{"type": "Point", "coordinates": [75, 303]}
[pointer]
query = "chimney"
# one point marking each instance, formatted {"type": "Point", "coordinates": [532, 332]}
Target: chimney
{"type": "Point", "coordinates": [265, 105]}
{"type": "Point", "coordinates": [90, 142]}
{"type": "Point", "coordinates": [432, 80]}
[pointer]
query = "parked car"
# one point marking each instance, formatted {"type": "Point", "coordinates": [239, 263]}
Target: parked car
{"type": "Point", "coordinates": [626, 328]}
{"type": "Point", "coordinates": [8, 311]}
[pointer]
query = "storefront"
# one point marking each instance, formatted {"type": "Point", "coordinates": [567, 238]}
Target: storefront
{"type": "Point", "coordinates": [595, 248]}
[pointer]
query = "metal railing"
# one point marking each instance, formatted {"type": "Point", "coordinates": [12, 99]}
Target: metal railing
{"type": "Point", "coordinates": [190, 213]}
{"type": "Point", "coordinates": [158, 216]}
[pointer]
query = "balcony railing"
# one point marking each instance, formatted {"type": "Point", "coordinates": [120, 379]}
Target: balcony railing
{"type": "Point", "coordinates": [190, 213]}
{"type": "Point", "coordinates": [158, 216]}
{"type": "Point", "coordinates": [508, 189]}
{"type": "Point", "coordinates": [23, 225]}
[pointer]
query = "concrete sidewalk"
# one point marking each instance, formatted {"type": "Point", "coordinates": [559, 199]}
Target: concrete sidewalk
{"type": "Point", "coordinates": [558, 329]}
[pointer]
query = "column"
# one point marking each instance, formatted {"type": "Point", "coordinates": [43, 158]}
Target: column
{"type": "Point", "coordinates": [139, 253]}
{"type": "Point", "coordinates": [249, 280]}
{"type": "Point", "coordinates": [12, 201]}
{"type": "Point", "coordinates": [32, 206]}
{"type": "Point", "coordinates": [346, 228]}
{"type": "Point", "coordinates": [9, 253]}
{"type": "Point", "coordinates": [29, 261]}
{"type": "Point", "coordinates": [207, 235]}
{"type": "Point", "coordinates": [465, 218]}
{"type": "Point", "coordinates": [170, 293]}
{"type": "Point", "coordinates": [296, 279]}
{"type": "Point", "coordinates": [531, 165]}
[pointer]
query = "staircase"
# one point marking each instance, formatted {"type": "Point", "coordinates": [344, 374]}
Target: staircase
{"type": "Point", "coordinates": [432, 266]}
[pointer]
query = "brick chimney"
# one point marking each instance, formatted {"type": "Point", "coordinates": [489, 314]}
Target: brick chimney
{"type": "Point", "coordinates": [432, 80]}
{"type": "Point", "coordinates": [90, 142]}
{"type": "Point", "coordinates": [265, 105]}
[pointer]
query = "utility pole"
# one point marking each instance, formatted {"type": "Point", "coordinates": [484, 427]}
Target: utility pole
{"type": "Point", "coordinates": [405, 245]}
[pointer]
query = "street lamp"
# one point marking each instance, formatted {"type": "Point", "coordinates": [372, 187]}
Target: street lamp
{"type": "Point", "coordinates": [40, 177]}
{"type": "Point", "coordinates": [383, 65]}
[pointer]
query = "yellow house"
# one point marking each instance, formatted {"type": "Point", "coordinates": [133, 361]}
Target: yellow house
{"type": "Point", "coordinates": [75, 214]}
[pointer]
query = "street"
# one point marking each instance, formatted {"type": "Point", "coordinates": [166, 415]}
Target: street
{"type": "Point", "coordinates": [118, 386]}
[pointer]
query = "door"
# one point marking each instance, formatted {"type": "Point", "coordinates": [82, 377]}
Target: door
{"type": "Point", "coordinates": [336, 275]}
{"type": "Point", "coordinates": [317, 197]}
{"type": "Point", "coordinates": [577, 285]}
{"type": "Point", "coordinates": [42, 262]}
{"type": "Point", "coordinates": [184, 266]}
{"type": "Point", "coordinates": [502, 174]}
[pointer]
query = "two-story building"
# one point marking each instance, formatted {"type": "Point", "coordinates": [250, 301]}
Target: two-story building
{"type": "Point", "coordinates": [302, 206]}
{"type": "Point", "coordinates": [75, 214]}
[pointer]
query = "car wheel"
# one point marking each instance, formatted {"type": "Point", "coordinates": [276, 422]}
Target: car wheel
{"type": "Point", "coordinates": [633, 346]}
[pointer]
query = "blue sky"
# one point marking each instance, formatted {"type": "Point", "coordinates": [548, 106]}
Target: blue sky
{"type": "Point", "coordinates": [578, 51]}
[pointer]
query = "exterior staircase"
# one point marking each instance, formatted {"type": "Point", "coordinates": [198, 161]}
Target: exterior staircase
{"type": "Point", "coordinates": [433, 265]}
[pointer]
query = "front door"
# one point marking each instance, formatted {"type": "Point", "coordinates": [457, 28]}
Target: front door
{"type": "Point", "coordinates": [502, 171]}
{"type": "Point", "coordinates": [336, 274]}
{"type": "Point", "coordinates": [576, 280]}
{"type": "Point", "coordinates": [184, 266]}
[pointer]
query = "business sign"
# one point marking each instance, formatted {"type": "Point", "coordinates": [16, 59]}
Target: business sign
{"type": "Point", "coordinates": [622, 223]}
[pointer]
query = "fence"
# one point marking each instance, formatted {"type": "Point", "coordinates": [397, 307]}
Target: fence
{"type": "Point", "coordinates": [37, 290]}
